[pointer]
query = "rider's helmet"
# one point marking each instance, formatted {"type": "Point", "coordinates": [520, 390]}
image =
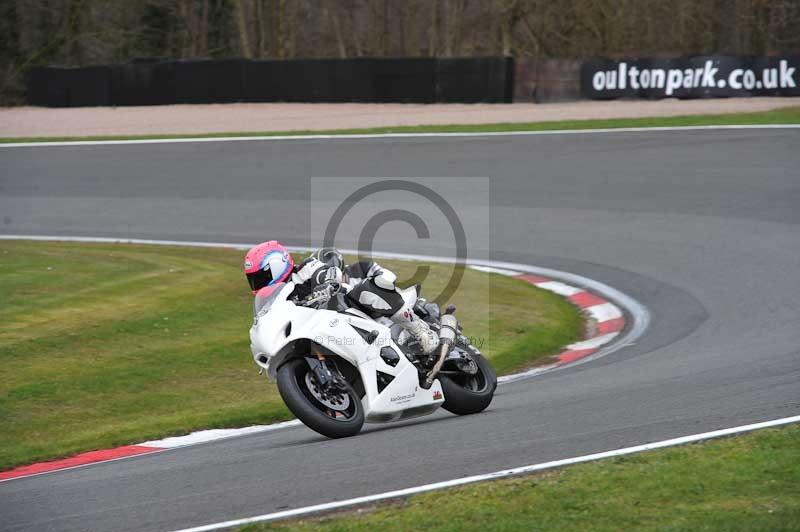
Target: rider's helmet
{"type": "Point", "coordinates": [266, 264]}
{"type": "Point", "coordinates": [329, 256]}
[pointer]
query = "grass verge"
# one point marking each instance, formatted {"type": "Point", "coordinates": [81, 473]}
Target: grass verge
{"type": "Point", "coordinates": [108, 344]}
{"type": "Point", "coordinates": [746, 483]}
{"type": "Point", "coordinates": [787, 115]}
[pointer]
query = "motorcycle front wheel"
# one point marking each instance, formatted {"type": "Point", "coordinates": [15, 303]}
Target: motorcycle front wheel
{"type": "Point", "coordinates": [335, 416]}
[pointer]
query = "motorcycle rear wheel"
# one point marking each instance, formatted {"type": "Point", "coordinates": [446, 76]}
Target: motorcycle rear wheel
{"type": "Point", "coordinates": [469, 394]}
{"type": "Point", "coordinates": [293, 387]}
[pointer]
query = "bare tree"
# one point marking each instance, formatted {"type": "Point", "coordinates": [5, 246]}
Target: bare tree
{"type": "Point", "coordinates": [78, 32]}
{"type": "Point", "coordinates": [433, 32]}
{"type": "Point", "coordinates": [509, 16]}
{"type": "Point", "coordinates": [242, 28]}
{"type": "Point", "coordinates": [333, 18]}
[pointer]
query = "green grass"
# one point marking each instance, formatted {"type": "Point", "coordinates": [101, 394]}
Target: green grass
{"type": "Point", "coordinates": [108, 344]}
{"type": "Point", "coordinates": [787, 115]}
{"type": "Point", "coordinates": [747, 483]}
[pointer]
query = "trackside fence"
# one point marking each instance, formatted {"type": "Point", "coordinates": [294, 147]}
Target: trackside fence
{"type": "Point", "coordinates": [155, 82]}
{"type": "Point", "coordinates": [162, 81]}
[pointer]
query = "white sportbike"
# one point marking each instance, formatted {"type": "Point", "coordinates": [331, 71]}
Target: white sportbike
{"type": "Point", "coordinates": [336, 367]}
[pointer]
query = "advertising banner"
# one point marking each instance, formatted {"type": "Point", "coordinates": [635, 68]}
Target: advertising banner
{"type": "Point", "coordinates": [691, 77]}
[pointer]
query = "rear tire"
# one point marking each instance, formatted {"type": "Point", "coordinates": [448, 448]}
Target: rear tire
{"type": "Point", "coordinates": [315, 415]}
{"type": "Point", "coordinates": [469, 394]}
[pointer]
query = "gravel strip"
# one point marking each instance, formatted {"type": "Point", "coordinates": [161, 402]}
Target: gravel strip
{"type": "Point", "coordinates": [253, 117]}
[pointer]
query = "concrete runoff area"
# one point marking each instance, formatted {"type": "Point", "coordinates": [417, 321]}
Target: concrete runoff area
{"type": "Point", "coordinates": [699, 226]}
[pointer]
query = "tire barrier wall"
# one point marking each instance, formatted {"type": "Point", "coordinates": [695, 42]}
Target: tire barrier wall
{"type": "Point", "coordinates": [709, 76]}
{"type": "Point", "coordinates": [157, 82]}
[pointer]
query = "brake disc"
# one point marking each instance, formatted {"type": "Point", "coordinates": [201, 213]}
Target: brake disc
{"type": "Point", "coordinates": [339, 401]}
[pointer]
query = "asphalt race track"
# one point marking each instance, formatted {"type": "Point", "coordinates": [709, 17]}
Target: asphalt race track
{"type": "Point", "coordinates": [702, 227]}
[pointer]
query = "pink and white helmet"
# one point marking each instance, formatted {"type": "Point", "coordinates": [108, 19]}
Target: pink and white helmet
{"type": "Point", "coordinates": [266, 264]}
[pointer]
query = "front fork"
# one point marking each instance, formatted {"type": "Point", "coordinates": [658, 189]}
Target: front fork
{"type": "Point", "coordinates": [328, 380]}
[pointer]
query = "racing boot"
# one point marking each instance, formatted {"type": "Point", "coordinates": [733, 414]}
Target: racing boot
{"type": "Point", "coordinates": [418, 328]}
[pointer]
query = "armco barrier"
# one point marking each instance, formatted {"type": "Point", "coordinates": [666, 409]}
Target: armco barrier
{"type": "Point", "coordinates": [142, 82]}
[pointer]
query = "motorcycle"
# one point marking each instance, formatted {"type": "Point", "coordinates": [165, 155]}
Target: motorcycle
{"type": "Point", "coordinates": [336, 368]}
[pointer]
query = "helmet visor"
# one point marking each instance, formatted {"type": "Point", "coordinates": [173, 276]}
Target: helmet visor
{"type": "Point", "coordinates": [273, 267]}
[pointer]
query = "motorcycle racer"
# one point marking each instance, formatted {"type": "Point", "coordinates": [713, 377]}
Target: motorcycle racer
{"type": "Point", "coordinates": [369, 287]}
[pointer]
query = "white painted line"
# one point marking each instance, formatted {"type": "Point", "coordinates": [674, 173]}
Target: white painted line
{"type": "Point", "coordinates": [560, 288]}
{"type": "Point", "coordinates": [592, 343]}
{"type": "Point", "coordinates": [265, 138]}
{"type": "Point", "coordinates": [501, 271]}
{"type": "Point", "coordinates": [203, 436]}
{"type": "Point", "coordinates": [491, 476]}
{"type": "Point", "coordinates": [105, 240]}
{"type": "Point", "coordinates": [526, 374]}
{"type": "Point", "coordinates": [604, 312]}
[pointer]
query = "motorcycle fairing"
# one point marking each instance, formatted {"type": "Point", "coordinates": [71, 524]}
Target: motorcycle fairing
{"type": "Point", "coordinates": [277, 329]}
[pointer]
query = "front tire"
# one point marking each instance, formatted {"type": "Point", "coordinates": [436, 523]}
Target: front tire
{"type": "Point", "coordinates": [469, 394]}
{"type": "Point", "coordinates": [293, 386]}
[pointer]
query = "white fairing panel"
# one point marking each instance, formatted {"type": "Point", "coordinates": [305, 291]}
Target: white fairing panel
{"type": "Point", "coordinates": [409, 295]}
{"type": "Point", "coordinates": [277, 327]}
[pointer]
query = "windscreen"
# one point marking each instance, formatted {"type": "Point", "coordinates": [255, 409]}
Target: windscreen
{"type": "Point", "coordinates": [266, 297]}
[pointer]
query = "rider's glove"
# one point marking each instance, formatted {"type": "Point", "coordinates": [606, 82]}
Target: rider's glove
{"type": "Point", "coordinates": [325, 291]}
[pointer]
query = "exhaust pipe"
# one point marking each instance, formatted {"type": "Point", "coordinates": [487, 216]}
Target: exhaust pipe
{"type": "Point", "coordinates": [447, 337]}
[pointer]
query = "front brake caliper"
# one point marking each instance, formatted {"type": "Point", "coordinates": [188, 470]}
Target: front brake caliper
{"type": "Point", "coordinates": [321, 372]}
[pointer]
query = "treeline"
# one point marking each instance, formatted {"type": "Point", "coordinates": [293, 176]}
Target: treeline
{"type": "Point", "coordinates": [83, 32]}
